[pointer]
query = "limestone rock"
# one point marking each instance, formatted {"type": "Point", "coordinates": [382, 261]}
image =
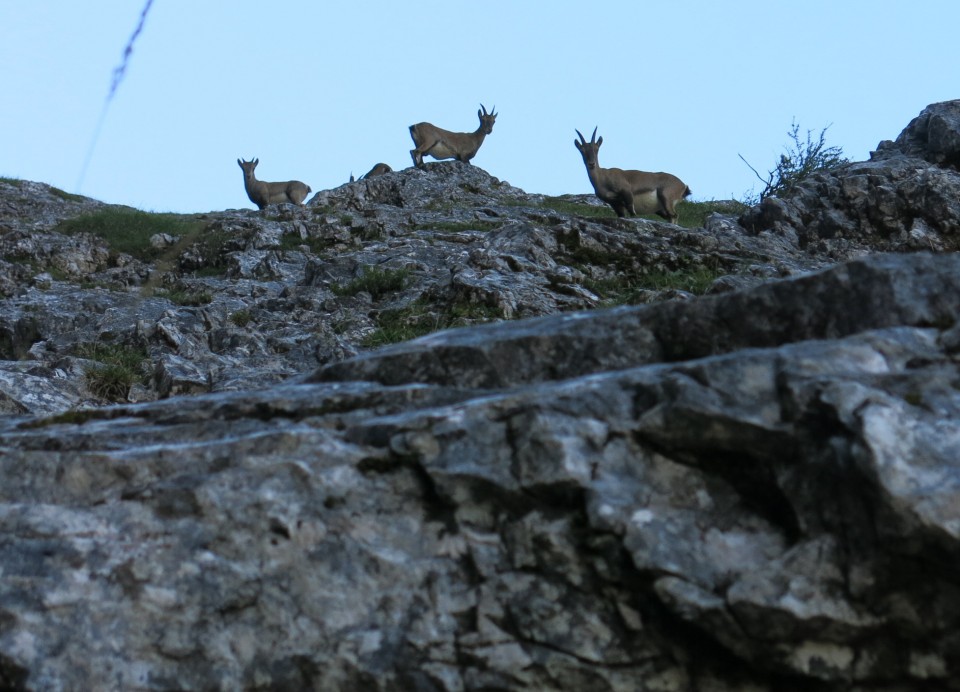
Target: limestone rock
{"type": "Point", "coordinates": [752, 489]}
{"type": "Point", "coordinates": [909, 184]}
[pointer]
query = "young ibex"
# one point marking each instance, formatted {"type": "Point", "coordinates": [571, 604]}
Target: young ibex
{"type": "Point", "coordinates": [379, 169]}
{"type": "Point", "coordinates": [629, 191]}
{"type": "Point", "coordinates": [263, 194]}
{"type": "Point", "coordinates": [440, 144]}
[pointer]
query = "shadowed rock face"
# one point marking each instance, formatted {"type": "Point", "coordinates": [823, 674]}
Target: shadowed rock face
{"type": "Point", "coordinates": [751, 490]}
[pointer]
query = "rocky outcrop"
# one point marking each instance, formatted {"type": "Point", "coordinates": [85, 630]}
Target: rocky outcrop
{"type": "Point", "coordinates": [288, 290]}
{"type": "Point", "coordinates": [904, 199]}
{"type": "Point", "coordinates": [749, 490]}
{"type": "Point", "coordinates": [570, 502]}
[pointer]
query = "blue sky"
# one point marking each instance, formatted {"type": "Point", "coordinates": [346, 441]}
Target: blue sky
{"type": "Point", "coordinates": [320, 90]}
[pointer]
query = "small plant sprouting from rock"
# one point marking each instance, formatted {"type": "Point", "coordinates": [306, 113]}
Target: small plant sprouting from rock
{"type": "Point", "coordinates": [110, 382]}
{"type": "Point", "coordinates": [185, 297]}
{"type": "Point", "coordinates": [117, 354]}
{"type": "Point", "coordinates": [241, 318]}
{"type": "Point", "coordinates": [420, 319]}
{"type": "Point", "coordinates": [458, 226]}
{"type": "Point", "coordinates": [317, 245]}
{"type": "Point", "coordinates": [635, 289]}
{"type": "Point", "coordinates": [117, 368]}
{"type": "Point", "coordinates": [377, 282]}
{"type": "Point", "coordinates": [800, 160]}
{"type": "Point", "coordinates": [914, 398]}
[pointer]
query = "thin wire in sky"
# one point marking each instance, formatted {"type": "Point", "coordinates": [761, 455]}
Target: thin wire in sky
{"type": "Point", "coordinates": [118, 74]}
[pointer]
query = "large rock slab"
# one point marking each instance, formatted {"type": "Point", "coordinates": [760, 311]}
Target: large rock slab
{"type": "Point", "coordinates": [750, 490]}
{"type": "Point", "coordinates": [875, 292]}
{"type": "Point", "coordinates": [773, 509]}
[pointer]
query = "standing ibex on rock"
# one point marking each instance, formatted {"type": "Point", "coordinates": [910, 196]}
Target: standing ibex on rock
{"type": "Point", "coordinates": [433, 141]}
{"type": "Point", "coordinates": [263, 194]}
{"type": "Point", "coordinates": [628, 191]}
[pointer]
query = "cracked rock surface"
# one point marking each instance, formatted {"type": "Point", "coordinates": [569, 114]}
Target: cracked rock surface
{"type": "Point", "coordinates": [755, 489]}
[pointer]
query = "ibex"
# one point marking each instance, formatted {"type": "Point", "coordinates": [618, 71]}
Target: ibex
{"type": "Point", "coordinates": [629, 191]}
{"type": "Point", "coordinates": [379, 169]}
{"type": "Point", "coordinates": [440, 144]}
{"type": "Point", "coordinates": [263, 194]}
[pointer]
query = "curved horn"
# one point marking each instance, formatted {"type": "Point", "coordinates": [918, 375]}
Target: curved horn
{"type": "Point", "coordinates": [593, 135]}
{"type": "Point", "coordinates": [582, 139]}
{"type": "Point", "coordinates": [483, 109]}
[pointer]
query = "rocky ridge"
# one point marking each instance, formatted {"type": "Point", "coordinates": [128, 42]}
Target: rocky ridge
{"type": "Point", "coordinates": [749, 490]}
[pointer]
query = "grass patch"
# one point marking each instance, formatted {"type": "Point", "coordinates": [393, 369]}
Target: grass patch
{"type": "Point", "coordinates": [632, 290]}
{"type": "Point", "coordinates": [66, 196]}
{"type": "Point", "coordinates": [376, 282]}
{"type": "Point", "coordinates": [241, 318]}
{"type": "Point", "coordinates": [185, 297]}
{"type": "Point", "coordinates": [129, 230]}
{"type": "Point", "coordinates": [110, 382]}
{"type": "Point", "coordinates": [16, 182]}
{"type": "Point", "coordinates": [913, 398]}
{"type": "Point", "coordinates": [71, 417]}
{"type": "Point", "coordinates": [458, 226]}
{"type": "Point", "coordinates": [440, 205]}
{"type": "Point", "coordinates": [565, 205]}
{"type": "Point", "coordinates": [211, 272]}
{"type": "Point", "coordinates": [694, 214]}
{"type": "Point", "coordinates": [419, 319]}
{"type": "Point", "coordinates": [584, 255]}
{"type": "Point", "coordinates": [689, 214]}
{"type": "Point", "coordinates": [292, 241]}
{"type": "Point", "coordinates": [112, 354]}
{"type": "Point", "coordinates": [118, 368]}
{"type": "Point", "coordinates": [315, 245]}
{"type": "Point", "coordinates": [212, 245]}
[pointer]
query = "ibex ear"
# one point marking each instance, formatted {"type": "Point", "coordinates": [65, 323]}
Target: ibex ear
{"type": "Point", "coordinates": [576, 143]}
{"type": "Point", "coordinates": [240, 163]}
{"type": "Point", "coordinates": [600, 141]}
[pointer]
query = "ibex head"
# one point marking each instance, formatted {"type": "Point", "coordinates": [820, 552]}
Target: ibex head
{"type": "Point", "coordinates": [589, 149]}
{"type": "Point", "coordinates": [487, 119]}
{"type": "Point", "coordinates": [248, 166]}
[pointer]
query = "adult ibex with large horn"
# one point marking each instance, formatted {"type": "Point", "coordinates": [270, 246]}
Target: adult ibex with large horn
{"type": "Point", "coordinates": [631, 191]}
{"type": "Point", "coordinates": [263, 194]}
{"type": "Point", "coordinates": [431, 140]}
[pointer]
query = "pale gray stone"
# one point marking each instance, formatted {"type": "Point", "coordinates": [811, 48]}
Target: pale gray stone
{"type": "Point", "coordinates": [753, 490]}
